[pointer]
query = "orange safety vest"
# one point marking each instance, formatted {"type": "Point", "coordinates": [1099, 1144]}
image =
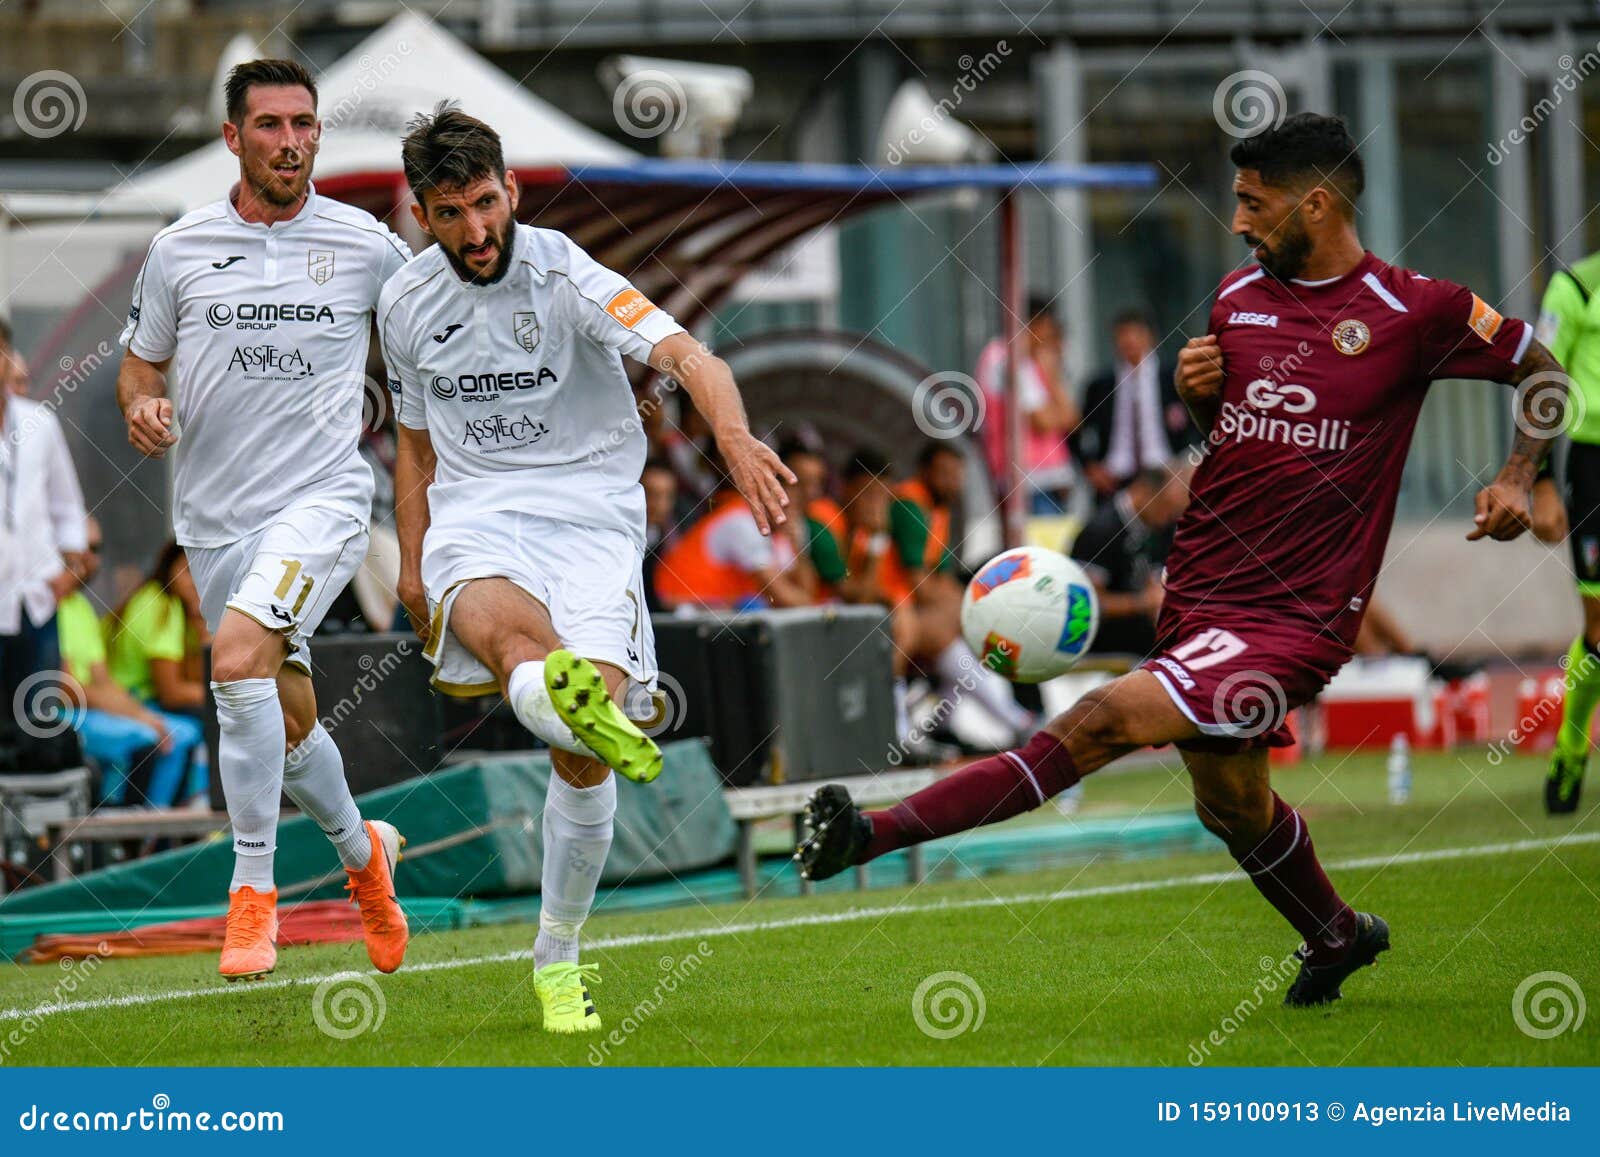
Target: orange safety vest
{"type": "Point", "coordinates": [892, 572]}
{"type": "Point", "coordinates": [688, 574]}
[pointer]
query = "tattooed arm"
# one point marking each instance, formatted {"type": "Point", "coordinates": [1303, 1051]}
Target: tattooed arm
{"type": "Point", "coordinates": [1503, 509]}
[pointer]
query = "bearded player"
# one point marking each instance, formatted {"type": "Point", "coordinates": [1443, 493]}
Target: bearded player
{"type": "Point", "coordinates": [517, 496]}
{"type": "Point", "coordinates": [1308, 386]}
{"type": "Point", "coordinates": [256, 311]}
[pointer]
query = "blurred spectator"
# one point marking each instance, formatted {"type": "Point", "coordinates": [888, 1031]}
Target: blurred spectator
{"type": "Point", "coordinates": [14, 377]}
{"type": "Point", "coordinates": [118, 731]}
{"type": "Point", "coordinates": [899, 557]}
{"type": "Point", "coordinates": [661, 521]}
{"type": "Point", "coordinates": [1133, 419]}
{"type": "Point", "coordinates": [1123, 548]}
{"type": "Point", "coordinates": [823, 536]}
{"type": "Point", "coordinates": [1049, 413]}
{"type": "Point", "coordinates": [155, 637]}
{"type": "Point", "coordinates": [42, 527]}
{"type": "Point", "coordinates": [724, 562]}
{"type": "Point", "coordinates": [692, 451]}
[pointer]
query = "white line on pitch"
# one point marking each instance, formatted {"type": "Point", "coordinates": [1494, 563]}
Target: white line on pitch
{"type": "Point", "coordinates": [845, 916]}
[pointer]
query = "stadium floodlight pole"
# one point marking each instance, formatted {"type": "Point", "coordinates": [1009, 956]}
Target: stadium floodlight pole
{"type": "Point", "coordinates": [1011, 322]}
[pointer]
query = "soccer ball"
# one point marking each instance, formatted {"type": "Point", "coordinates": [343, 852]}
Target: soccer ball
{"type": "Point", "coordinates": [1030, 614]}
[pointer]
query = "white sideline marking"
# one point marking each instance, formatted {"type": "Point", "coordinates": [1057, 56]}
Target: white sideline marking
{"type": "Point", "coordinates": [845, 916]}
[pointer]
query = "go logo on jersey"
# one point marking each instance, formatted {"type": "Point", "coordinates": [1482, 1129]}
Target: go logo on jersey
{"type": "Point", "coordinates": [1265, 394]}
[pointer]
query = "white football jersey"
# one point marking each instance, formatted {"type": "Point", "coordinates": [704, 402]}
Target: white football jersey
{"type": "Point", "coordinates": [520, 384]}
{"type": "Point", "coordinates": [267, 328]}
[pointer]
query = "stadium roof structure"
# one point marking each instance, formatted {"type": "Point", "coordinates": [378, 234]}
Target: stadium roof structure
{"type": "Point", "coordinates": [686, 232]}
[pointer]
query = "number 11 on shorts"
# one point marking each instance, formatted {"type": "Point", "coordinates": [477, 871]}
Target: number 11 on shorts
{"type": "Point", "coordinates": [291, 569]}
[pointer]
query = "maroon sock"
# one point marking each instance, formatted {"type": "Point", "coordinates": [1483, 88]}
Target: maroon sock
{"type": "Point", "coordinates": [1284, 868]}
{"type": "Point", "coordinates": [984, 792]}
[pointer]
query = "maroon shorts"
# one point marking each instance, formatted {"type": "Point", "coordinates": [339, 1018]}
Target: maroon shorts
{"type": "Point", "coordinates": [1237, 677]}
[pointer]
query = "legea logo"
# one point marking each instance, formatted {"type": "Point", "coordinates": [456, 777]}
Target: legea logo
{"type": "Point", "coordinates": [1264, 394]}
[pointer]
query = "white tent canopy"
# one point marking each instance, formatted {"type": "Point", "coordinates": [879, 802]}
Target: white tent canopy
{"type": "Point", "coordinates": [365, 98]}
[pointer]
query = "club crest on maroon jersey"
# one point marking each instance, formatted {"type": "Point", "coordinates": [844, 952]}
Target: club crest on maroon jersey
{"type": "Point", "coordinates": [1351, 336]}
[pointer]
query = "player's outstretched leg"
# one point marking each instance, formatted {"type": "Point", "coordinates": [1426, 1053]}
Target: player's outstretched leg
{"type": "Point", "coordinates": [314, 779]}
{"type": "Point", "coordinates": [577, 839]}
{"type": "Point", "coordinates": [1571, 755]}
{"type": "Point", "coordinates": [579, 693]}
{"type": "Point", "coordinates": [1233, 797]}
{"type": "Point", "coordinates": [250, 758]}
{"type": "Point", "coordinates": [1110, 721]}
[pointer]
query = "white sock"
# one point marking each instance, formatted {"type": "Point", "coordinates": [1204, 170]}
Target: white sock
{"type": "Point", "coordinates": [577, 836]}
{"type": "Point", "coordinates": [959, 667]}
{"type": "Point", "coordinates": [313, 777]}
{"type": "Point", "coordinates": [530, 702]}
{"type": "Point", "coordinates": [902, 715]}
{"type": "Point", "coordinates": [250, 758]}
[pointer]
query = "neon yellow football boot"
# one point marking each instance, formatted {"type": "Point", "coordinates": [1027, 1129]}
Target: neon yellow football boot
{"type": "Point", "coordinates": [579, 693]}
{"type": "Point", "coordinates": [563, 990]}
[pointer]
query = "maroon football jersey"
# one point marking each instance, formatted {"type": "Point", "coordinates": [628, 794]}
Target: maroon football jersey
{"type": "Point", "coordinates": [1323, 382]}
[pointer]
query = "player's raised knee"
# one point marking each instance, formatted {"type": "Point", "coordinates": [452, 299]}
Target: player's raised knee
{"type": "Point", "coordinates": [233, 659]}
{"type": "Point", "coordinates": [1100, 718]}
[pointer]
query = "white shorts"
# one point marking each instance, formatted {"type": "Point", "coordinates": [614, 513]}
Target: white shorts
{"type": "Point", "coordinates": [284, 576]}
{"type": "Point", "coordinates": [589, 578]}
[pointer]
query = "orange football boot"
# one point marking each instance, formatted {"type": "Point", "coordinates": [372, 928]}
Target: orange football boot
{"type": "Point", "coordinates": [372, 887]}
{"type": "Point", "coordinates": [249, 949]}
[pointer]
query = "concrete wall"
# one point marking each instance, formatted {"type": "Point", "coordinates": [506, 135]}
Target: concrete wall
{"type": "Point", "coordinates": [1479, 599]}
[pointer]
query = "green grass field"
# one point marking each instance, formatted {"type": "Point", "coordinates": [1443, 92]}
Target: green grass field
{"type": "Point", "coordinates": [1117, 962]}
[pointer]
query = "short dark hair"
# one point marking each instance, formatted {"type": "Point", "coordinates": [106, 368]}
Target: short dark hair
{"type": "Point", "coordinates": [5, 334]}
{"type": "Point", "coordinates": [1305, 147]}
{"type": "Point", "coordinates": [866, 462]}
{"type": "Point", "coordinates": [931, 450]}
{"type": "Point", "coordinates": [795, 444]}
{"type": "Point", "coordinates": [657, 462]}
{"type": "Point", "coordinates": [1042, 305]}
{"type": "Point", "coordinates": [1133, 315]}
{"type": "Point", "coordinates": [447, 149]}
{"type": "Point", "coordinates": [266, 73]}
